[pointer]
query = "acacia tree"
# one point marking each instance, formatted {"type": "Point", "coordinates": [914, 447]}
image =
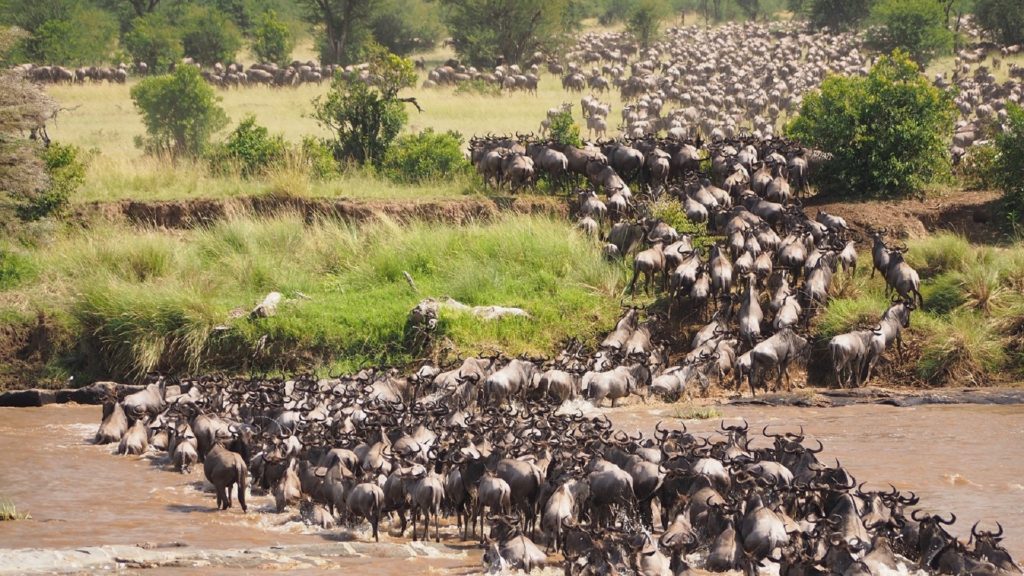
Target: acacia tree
{"type": "Point", "coordinates": [484, 30]}
{"type": "Point", "coordinates": [645, 20]}
{"type": "Point", "coordinates": [344, 24]}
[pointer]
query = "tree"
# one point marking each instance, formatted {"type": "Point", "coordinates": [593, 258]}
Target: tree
{"type": "Point", "coordinates": [1010, 162]}
{"type": "Point", "coordinates": [403, 26]}
{"type": "Point", "coordinates": [645, 19]}
{"type": "Point", "coordinates": [367, 117]}
{"type": "Point", "coordinates": [835, 14]}
{"type": "Point", "coordinates": [180, 112]}
{"type": "Point", "coordinates": [86, 36]}
{"type": "Point", "coordinates": [1004, 19]}
{"type": "Point", "coordinates": [345, 27]}
{"type": "Point", "coordinates": [751, 8]}
{"type": "Point", "coordinates": [917, 26]}
{"type": "Point", "coordinates": [484, 30]}
{"type": "Point", "coordinates": [143, 7]}
{"type": "Point", "coordinates": [155, 41]}
{"type": "Point", "coordinates": [209, 36]}
{"type": "Point", "coordinates": [272, 41]}
{"type": "Point", "coordinates": [886, 133]}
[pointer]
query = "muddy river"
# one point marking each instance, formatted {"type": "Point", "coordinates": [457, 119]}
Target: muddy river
{"type": "Point", "coordinates": [968, 459]}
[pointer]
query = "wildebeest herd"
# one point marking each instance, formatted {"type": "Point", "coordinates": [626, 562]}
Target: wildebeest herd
{"type": "Point", "coordinates": [534, 483]}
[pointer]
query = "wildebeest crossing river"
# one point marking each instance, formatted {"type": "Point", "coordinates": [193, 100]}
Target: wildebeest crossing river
{"type": "Point", "coordinates": [963, 459]}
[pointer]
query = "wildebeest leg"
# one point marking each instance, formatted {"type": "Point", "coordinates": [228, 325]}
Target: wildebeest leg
{"type": "Point", "coordinates": [437, 525]}
{"type": "Point", "coordinates": [241, 497]}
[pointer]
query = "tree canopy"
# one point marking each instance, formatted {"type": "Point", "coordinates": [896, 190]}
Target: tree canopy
{"type": "Point", "coordinates": [486, 30]}
{"type": "Point", "coordinates": [917, 26]}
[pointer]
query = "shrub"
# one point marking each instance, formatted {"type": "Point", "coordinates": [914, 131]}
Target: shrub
{"type": "Point", "coordinates": [251, 148]}
{"type": "Point", "coordinates": [404, 26]}
{"type": "Point", "coordinates": [886, 133]}
{"type": "Point", "coordinates": [564, 130]}
{"type": "Point", "coordinates": [427, 155]}
{"type": "Point", "coordinates": [917, 26]}
{"type": "Point", "coordinates": [209, 36]}
{"type": "Point", "coordinates": [86, 36]}
{"type": "Point", "coordinates": [318, 158]}
{"type": "Point", "coordinates": [836, 14]}
{"type": "Point", "coordinates": [65, 168]}
{"type": "Point", "coordinates": [271, 40]}
{"type": "Point", "coordinates": [366, 118]}
{"type": "Point", "coordinates": [670, 211]}
{"type": "Point", "coordinates": [180, 112]}
{"type": "Point", "coordinates": [644, 20]}
{"type": "Point", "coordinates": [979, 168]}
{"type": "Point", "coordinates": [1010, 163]}
{"type": "Point", "coordinates": [153, 40]}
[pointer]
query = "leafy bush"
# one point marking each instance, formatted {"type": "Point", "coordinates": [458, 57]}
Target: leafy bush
{"type": "Point", "coordinates": [1010, 163]}
{"type": "Point", "coordinates": [886, 133]}
{"type": "Point", "coordinates": [425, 156]}
{"type": "Point", "coordinates": [209, 36]}
{"type": "Point", "coordinates": [645, 18]}
{"type": "Point", "coordinates": [251, 148]}
{"type": "Point", "coordinates": [366, 118]}
{"type": "Point", "coordinates": [835, 14]}
{"type": "Point", "coordinates": [670, 211]}
{"type": "Point", "coordinates": [404, 26]}
{"type": "Point", "coordinates": [979, 169]}
{"type": "Point", "coordinates": [86, 36]}
{"type": "Point", "coordinates": [155, 41]}
{"type": "Point", "coordinates": [180, 112]}
{"type": "Point", "coordinates": [271, 40]}
{"type": "Point", "coordinates": [318, 158]}
{"type": "Point", "coordinates": [564, 130]}
{"type": "Point", "coordinates": [917, 26]}
{"type": "Point", "coordinates": [65, 169]}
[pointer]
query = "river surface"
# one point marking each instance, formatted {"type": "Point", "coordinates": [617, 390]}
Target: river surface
{"type": "Point", "coordinates": [966, 459]}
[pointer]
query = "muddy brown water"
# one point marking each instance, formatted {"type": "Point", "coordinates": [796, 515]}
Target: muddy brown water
{"type": "Point", "coordinates": [967, 459]}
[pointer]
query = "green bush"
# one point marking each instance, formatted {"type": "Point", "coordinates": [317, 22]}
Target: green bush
{"type": "Point", "coordinates": [670, 211]}
{"type": "Point", "coordinates": [1010, 164]}
{"type": "Point", "coordinates": [835, 14]}
{"type": "Point", "coordinates": [180, 112]}
{"type": "Point", "coordinates": [564, 130]}
{"type": "Point", "coordinates": [85, 37]}
{"type": "Point", "coordinates": [250, 148]}
{"type": "Point", "coordinates": [366, 118]}
{"type": "Point", "coordinates": [272, 40]}
{"type": "Point", "coordinates": [405, 26]}
{"type": "Point", "coordinates": [425, 156]}
{"type": "Point", "coordinates": [155, 41]}
{"type": "Point", "coordinates": [209, 36]}
{"type": "Point", "coordinates": [645, 19]}
{"type": "Point", "coordinates": [917, 26]}
{"type": "Point", "coordinates": [979, 168]}
{"type": "Point", "coordinates": [887, 133]}
{"type": "Point", "coordinates": [65, 169]}
{"type": "Point", "coordinates": [318, 158]}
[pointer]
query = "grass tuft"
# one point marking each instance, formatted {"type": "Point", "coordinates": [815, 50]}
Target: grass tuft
{"type": "Point", "coordinates": [8, 511]}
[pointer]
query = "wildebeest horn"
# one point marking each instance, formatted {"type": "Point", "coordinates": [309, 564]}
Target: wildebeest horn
{"type": "Point", "coordinates": [950, 522]}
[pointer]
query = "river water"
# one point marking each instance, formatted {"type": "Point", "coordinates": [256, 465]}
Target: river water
{"type": "Point", "coordinates": [968, 459]}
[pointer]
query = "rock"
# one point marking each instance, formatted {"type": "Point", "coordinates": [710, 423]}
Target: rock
{"type": "Point", "coordinates": [27, 398]}
{"type": "Point", "coordinates": [268, 307]}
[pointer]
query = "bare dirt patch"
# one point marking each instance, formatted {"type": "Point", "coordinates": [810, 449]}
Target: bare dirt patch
{"type": "Point", "coordinates": [974, 214]}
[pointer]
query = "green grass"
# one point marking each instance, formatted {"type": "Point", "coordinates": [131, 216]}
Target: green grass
{"type": "Point", "coordinates": [138, 300]}
{"type": "Point", "coordinates": [971, 329]}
